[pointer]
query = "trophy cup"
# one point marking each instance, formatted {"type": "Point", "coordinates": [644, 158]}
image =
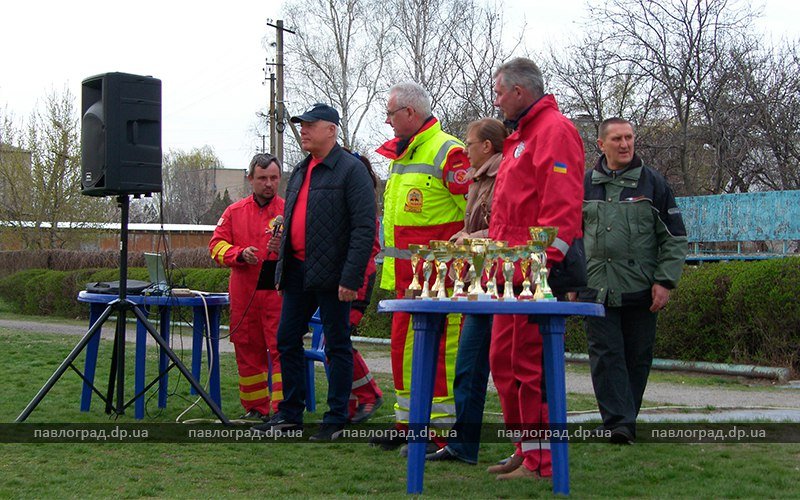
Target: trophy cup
{"type": "Point", "coordinates": [460, 255]}
{"type": "Point", "coordinates": [546, 235]}
{"type": "Point", "coordinates": [509, 256]}
{"type": "Point", "coordinates": [442, 250]}
{"type": "Point", "coordinates": [415, 288]}
{"type": "Point", "coordinates": [434, 246]}
{"type": "Point", "coordinates": [524, 254]}
{"type": "Point", "coordinates": [477, 248]}
{"type": "Point", "coordinates": [493, 250]}
{"type": "Point", "coordinates": [427, 269]}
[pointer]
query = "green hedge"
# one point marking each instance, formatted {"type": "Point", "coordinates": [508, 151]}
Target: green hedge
{"type": "Point", "coordinates": [739, 312]}
{"type": "Point", "coordinates": [735, 312]}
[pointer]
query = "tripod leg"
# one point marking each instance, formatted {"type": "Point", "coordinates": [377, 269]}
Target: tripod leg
{"type": "Point", "coordinates": [174, 358]}
{"type": "Point", "coordinates": [117, 372]}
{"type": "Point", "coordinates": [162, 358]}
{"type": "Point", "coordinates": [73, 355]}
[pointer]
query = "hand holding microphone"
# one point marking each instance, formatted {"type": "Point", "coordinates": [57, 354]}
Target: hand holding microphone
{"type": "Point", "coordinates": [274, 244]}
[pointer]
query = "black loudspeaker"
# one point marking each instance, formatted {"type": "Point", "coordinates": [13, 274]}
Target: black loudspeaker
{"type": "Point", "coordinates": [120, 135]}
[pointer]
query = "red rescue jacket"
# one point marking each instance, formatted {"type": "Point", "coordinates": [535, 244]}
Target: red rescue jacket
{"type": "Point", "coordinates": [540, 181]}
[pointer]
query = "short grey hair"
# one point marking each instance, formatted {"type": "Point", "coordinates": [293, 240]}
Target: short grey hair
{"type": "Point", "coordinates": [524, 73]}
{"type": "Point", "coordinates": [411, 94]}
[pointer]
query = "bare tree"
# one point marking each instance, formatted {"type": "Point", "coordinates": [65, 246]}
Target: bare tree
{"type": "Point", "coordinates": [678, 45]}
{"type": "Point", "coordinates": [41, 183]}
{"type": "Point", "coordinates": [189, 192]}
{"type": "Point", "coordinates": [338, 56]}
{"type": "Point", "coordinates": [772, 84]}
{"type": "Point", "coordinates": [349, 52]}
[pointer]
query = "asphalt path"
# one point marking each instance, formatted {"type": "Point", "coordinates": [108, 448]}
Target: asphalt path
{"type": "Point", "coordinates": [757, 400]}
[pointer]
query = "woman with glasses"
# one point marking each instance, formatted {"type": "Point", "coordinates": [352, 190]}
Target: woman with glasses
{"type": "Point", "coordinates": [484, 145]}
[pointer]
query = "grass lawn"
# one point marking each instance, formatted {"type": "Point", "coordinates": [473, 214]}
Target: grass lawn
{"type": "Point", "coordinates": [263, 469]}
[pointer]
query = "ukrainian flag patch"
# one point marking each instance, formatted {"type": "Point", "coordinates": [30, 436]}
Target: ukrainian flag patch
{"type": "Point", "coordinates": [560, 168]}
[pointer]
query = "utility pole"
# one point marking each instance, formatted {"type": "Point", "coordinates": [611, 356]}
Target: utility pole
{"type": "Point", "coordinates": [280, 109]}
{"type": "Point", "coordinates": [272, 116]}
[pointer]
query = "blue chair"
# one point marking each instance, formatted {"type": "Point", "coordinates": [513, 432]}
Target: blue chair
{"type": "Point", "coordinates": [316, 353]}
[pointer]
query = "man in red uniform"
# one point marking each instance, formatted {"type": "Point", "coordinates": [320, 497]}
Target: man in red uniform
{"type": "Point", "coordinates": [539, 183]}
{"type": "Point", "coordinates": [240, 242]}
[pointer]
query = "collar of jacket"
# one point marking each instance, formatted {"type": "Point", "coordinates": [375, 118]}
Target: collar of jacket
{"type": "Point", "coordinates": [546, 101]}
{"type": "Point", "coordinates": [255, 200]}
{"type": "Point", "coordinates": [488, 169]}
{"type": "Point", "coordinates": [329, 161]}
{"type": "Point", "coordinates": [630, 173]}
{"type": "Point", "coordinates": [389, 149]}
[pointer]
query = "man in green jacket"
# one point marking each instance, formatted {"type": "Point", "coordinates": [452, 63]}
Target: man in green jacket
{"type": "Point", "coordinates": [635, 249]}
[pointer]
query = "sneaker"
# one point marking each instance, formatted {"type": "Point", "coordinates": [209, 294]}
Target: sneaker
{"type": "Point", "coordinates": [277, 425]}
{"type": "Point", "coordinates": [254, 416]}
{"type": "Point", "coordinates": [366, 410]}
{"type": "Point", "coordinates": [328, 432]}
{"type": "Point", "coordinates": [431, 447]}
{"type": "Point", "coordinates": [446, 455]}
{"type": "Point", "coordinates": [392, 442]}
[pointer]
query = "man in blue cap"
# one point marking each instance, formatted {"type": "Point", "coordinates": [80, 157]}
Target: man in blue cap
{"type": "Point", "coordinates": [330, 220]}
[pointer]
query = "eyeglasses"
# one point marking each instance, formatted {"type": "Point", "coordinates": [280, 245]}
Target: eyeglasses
{"type": "Point", "coordinates": [390, 114]}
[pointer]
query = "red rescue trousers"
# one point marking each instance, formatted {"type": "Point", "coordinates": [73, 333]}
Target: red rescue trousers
{"type": "Point", "coordinates": [515, 359]}
{"type": "Point", "coordinates": [256, 347]}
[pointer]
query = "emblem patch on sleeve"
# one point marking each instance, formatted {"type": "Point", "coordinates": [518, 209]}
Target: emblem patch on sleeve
{"type": "Point", "coordinates": [221, 221]}
{"type": "Point", "coordinates": [460, 177]}
{"type": "Point", "coordinates": [560, 168]}
{"type": "Point", "coordinates": [413, 201]}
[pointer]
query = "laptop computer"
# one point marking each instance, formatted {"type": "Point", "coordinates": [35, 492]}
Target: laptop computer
{"type": "Point", "coordinates": [158, 276]}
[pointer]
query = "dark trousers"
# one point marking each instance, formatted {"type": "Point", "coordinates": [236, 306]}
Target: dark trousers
{"type": "Point", "coordinates": [620, 356]}
{"type": "Point", "coordinates": [472, 376]}
{"type": "Point", "coordinates": [298, 307]}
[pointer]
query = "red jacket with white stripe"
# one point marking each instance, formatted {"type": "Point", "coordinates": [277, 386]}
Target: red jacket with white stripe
{"type": "Point", "coordinates": [540, 181]}
{"type": "Point", "coordinates": [243, 224]}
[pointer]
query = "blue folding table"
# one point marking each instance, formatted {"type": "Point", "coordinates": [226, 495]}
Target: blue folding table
{"type": "Point", "coordinates": [428, 317]}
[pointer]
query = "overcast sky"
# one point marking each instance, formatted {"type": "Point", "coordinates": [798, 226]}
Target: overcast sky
{"type": "Point", "coordinates": [209, 56]}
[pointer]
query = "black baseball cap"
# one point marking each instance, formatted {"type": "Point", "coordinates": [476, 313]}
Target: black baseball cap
{"type": "Point", "coordinates": [318, 111]}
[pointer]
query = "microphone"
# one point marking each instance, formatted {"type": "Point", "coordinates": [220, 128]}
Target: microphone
{"type": "Point", "coordinates": [277, 227]}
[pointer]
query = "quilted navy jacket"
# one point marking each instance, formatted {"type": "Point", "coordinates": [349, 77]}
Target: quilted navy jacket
{"type": "Point", "coordinates": [340, 222]}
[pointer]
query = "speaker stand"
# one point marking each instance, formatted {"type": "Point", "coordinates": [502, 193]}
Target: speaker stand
{"type": "Point", "coordinates": [116, 378]}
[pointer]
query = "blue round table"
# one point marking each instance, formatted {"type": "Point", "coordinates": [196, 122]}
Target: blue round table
{"type": "Point", "coordinates": [213, 302]}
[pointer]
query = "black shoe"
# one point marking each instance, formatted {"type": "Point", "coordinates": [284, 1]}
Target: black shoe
{"type": "Point", "coordinates": [392, 442]}
{"type": "Point", "coordinates": [366, 410]}
{"type": "Point", "coordinates": [328, 432]}
{"type": "Point", "coordinates": [621, 435]}
{"type": "Point", "coordinates": [277, 425]}
{"type": "Point", "coordinates": [445, 455]}
{"type": "Point", "coordinates": [430, 448]}
{"type": "Point", "coordinates": [254, 415]}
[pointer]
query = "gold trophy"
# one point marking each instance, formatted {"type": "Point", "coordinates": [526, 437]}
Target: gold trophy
{"type": "Point", "coordinates": [427, 268]}
{"type": "Point", "coordinates": [460, 255]}
{"type": "Point", "coordinates": [546, 235]}
{"type": "Point", "coordinates": [509, 256]}
{"type": "Point", "coordinates": [493, 249]}
{"type": "Point", "coordinates": [441, 253]}
{"type": "Point", "coordinates": [436, 247]}
{"type": "Point", "coordinates": [415, 288]}
{"type": "Point", "coordinates": [524, 254]}
{"type": "Point", "coordinates": [477, 248]}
